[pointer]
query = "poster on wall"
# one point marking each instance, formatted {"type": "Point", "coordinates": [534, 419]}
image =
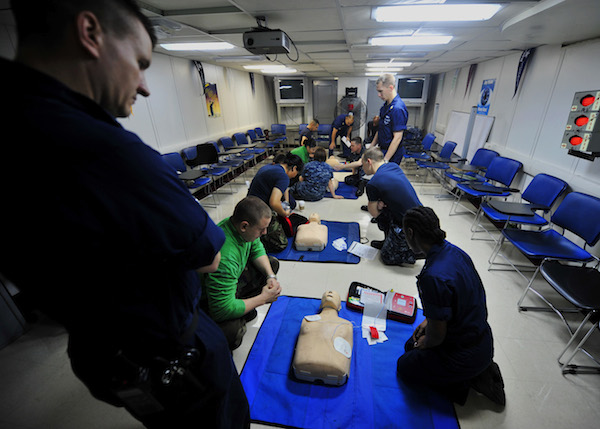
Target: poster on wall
{"type": "Point", "coordinates": [212, 100]}
{"type": "Point", "coordinates": [485, 96]}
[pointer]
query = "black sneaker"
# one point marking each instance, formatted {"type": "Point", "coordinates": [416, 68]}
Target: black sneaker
{"type": "Point", "coordinates": [490, 384]}
{"type": "Point", "coordinates": [374, 220]}
{"type": "Point", "coordinates": [361, 189]}
{"type": "Point", "coordinates": [364, 208]}
{"type": "Point", "coordinates": [378, 244]}
{"type": "Point", "coordinates": [250, 315]}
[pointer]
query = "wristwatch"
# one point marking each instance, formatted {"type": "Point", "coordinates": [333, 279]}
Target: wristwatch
{"type": "Point", "coordinates": [272, 276]}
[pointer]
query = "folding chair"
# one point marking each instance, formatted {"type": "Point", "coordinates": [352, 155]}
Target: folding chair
{"type": "Point", "coordinates": [578, 213]}
{"type": "Point", "coordinates": [278, 134]}
{"type": "Point", "coordinates": [444, 156]}
{"type": "Point", "coordinates": [580, 286]}
{"type": "Point", "coordinates": [237, 152]}
{"type": "Point", "coordinates": [473, 171]}
{"type": "Point", "coordinates": [206, 157]}
{"type": "Point", "coordinates": [540, 195]}
{"type": "Point", "coordinates": [242, 141]}
{"type": "Point", "coordinates": [423, 153]}
{"type": "Point", "coordinates": [324, 134]}
{"type": "Point", "coordinates": [502, 171]}
{"type": "Point", "coordinates": [262, 141]}
{"type": "Point", "coordinates": [195, 180]}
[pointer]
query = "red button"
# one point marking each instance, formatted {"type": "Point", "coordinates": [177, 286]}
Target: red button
{"type": "Point", "coordinates": [588, 100]}
{"type": "Point", "coordinates": [575, 140]}
{"type": "Point", "coordinates": [581, 120]}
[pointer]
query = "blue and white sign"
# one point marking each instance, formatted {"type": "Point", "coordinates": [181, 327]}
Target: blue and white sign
{"type": "Point", "coordinates": [485, 97]}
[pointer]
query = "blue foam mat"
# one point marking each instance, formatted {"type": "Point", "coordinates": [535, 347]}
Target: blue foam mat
{"type": "Point", "coordinates": [346, 191]}
{"type": "Point", "coordinates": [350, 230]}
{"type": "Point", "coordinates": [373, 397]}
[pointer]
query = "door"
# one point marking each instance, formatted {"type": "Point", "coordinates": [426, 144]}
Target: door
{"type": "Point", "coordinates": [324, 100]}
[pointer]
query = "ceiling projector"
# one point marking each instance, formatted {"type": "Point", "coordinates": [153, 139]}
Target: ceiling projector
{"type": "Point", "coordinates": [264, 42]}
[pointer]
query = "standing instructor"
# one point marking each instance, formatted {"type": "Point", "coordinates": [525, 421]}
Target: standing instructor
{"type": "Point", "coordinates": [393, 118]}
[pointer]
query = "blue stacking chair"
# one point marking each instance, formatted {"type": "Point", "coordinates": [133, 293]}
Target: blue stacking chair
{"type": "Point", "coordinates": [324, 134]}
{"type": "Point", "coordinates": [242, 141]}
{"type": "Point", "coordinates": [444, 155]}
{"type": "Point", "coordinates": [501, 171]}
{"type": "Point", "coordinates": [423, 154]}
{"type": "Point", "coordinates": [577, 213]}
{"type": "Point", "coordinates": [580, 286]}
{"type": "Point", "coordinates": [259, 133]}
{"type": "Point", "coordinates": [278, 134]}
{"type": "Point", "coordinates": [479, 163]}
{"type": "Point", "coordinates": [540, 195]}
{"type": "Point", "coordinates": [175, 160]}
{"type": "Point", "coordinates": [206, 157]}
{"type": "Point", "coordinates": [228, 144]}
{"type": "Point", "coordinates": [254, 137]}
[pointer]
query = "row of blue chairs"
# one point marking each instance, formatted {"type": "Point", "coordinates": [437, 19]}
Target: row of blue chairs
{"type": "Point", "coordinates": [546, 238]}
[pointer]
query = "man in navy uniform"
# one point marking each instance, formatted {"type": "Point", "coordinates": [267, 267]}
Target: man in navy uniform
{"type": "Point", "coordinates": [390, 196]}
{"type": "Point", "coordinates": [112, 244]}
{"type": "Point", "coordinates": [342, 127]}
{"type": "Point", "coordinates": [393, 117]}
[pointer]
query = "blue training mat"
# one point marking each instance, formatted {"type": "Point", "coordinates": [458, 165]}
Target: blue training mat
{"type": "Point", "coordinates": [350, 230]}
{"type": "Point", "coordinates": [346, 191]}
{"type": "Point", "coordinates": [373, 397]}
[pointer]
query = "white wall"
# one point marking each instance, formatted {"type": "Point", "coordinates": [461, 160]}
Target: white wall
{"type": "Point", "coordinates": [175, 114]}
{"type": "Point", "coordinates": [529, 127]}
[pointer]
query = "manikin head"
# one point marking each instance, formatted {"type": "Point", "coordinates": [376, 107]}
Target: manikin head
{"type": "Point", "coordinates": [314, 217]}
{"type": "Point", "coordinates": [331, 299]}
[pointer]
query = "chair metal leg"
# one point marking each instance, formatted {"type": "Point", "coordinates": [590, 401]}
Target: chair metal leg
{"type": "Point", "coordinates": [566, 366]}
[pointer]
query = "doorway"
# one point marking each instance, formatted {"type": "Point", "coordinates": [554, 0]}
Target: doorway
{"type": "Point", "coordinates": [324, 100]}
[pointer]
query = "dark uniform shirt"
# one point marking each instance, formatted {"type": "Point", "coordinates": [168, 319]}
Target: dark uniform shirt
{"type": "Point", "coordinates": [267, 178]}
{"type": "Point", "coordinates": [390, 185]}
{"type": "Point", "coordinates": [104, 236]}
{"type": "Point", "coordinates": [393, 118]}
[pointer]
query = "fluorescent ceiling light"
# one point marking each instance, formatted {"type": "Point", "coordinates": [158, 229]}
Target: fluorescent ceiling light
{"type": "Point", "coordinates": [385, 69]}
{"type": "Point", "coordinates": [279, 70]}
{"type": "Point", "coordinates": [435, 12]}
{"type": "Point", "coordinates": [409, 40]}
{"type": "Point", "coordinates": [204, 46]}
{"type": "Point", "coordinates": [264, 66]}
{"type": "Point", "coordinates": [383, 65]}
{"type": "Point", "coordinates": [374, 74]}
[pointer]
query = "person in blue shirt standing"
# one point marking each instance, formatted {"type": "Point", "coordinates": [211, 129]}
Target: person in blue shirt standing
{"type": "Point", "coordinates": [452, 349]}
{"type": "Point", "coordinates": [118, 240]}
{"type": "Point", "coordinates": [390, 196]}
{"type": "Point", "coordinates": [342, 127]}
{"type": "Point", "coordinates": [393, 117]}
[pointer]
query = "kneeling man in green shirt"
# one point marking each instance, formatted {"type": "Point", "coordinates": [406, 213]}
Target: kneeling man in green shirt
{"type": "Point", "coordinates": [246, 277]}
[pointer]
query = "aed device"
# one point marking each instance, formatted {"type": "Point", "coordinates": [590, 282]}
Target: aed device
{"type": "Point", "coordinates": [401, 308]}
{"type": "Point", "coordinates": [582, 132]}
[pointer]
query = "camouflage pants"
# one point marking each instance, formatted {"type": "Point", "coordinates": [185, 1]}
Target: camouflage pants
{"type": "Point", "coordinates": [395, 250]}
{"type": "Point", "coordinates": [275, 239]}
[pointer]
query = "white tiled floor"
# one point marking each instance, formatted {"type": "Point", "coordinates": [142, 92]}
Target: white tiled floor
{"type": "Point", "coordinates": [38, 389]}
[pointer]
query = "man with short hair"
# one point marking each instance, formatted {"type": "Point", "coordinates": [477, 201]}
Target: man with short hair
{"type": "Point", "coordinates": [119, 240]}
{"type": "Point", "coordinates": [308, 131]}
{"type": "Point", "coordinates": [390, 195]}
{"type": "Point", "coordinates": [393, 118]}
{"type": "Point", "coordinates": [246, 277]}
{"type": "Point", "coordinates": [354, 163]}
{"type": "Point", "coordinates": [342, 127]}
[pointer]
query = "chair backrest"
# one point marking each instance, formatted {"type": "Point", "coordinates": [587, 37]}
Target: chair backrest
{"type": "Point", "coordinates": [175, 160]}
{"type": "Point", "coordinates": [324, 129]}
{"type": "Point", "coordinates": [207, 154]}
{"type": "Point", "coordinates": [278, 129]}
{"type": "Point", "coordinates": [428, 141]}
{"type": "Point", "coordinates": [503, 170]}
{"type": "Point", "coordinates": [483, 157]}
{"type": "Point", "coordinates": [302, 128]}
{"type": "Point", "coordinates": [447, 150]}
{"type": "Point", "coordinates": [252, 134]}
{"type": "Point", "coordinates": [189, 155]}
{"type": "Point", "coordinates": [227, 142]}
{"type": "Point", "coordinates": [259, 132]}
{"type": "Point", "coordinates": [544, 190]}
{"type": "Point", "coordinates": [579, 213]}
{"type": "Point", "coordinates": [215, 144]}
{"type": "Point", "coordinates": [240, 138]}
